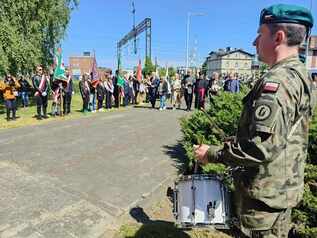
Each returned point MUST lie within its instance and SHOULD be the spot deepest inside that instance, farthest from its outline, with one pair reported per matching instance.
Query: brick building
(79, 65)
(312, 53)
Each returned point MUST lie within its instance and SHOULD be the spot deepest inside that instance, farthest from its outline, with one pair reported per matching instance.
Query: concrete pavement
(76, 178)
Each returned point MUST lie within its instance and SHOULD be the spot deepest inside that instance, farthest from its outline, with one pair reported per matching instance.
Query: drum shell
(201, 200)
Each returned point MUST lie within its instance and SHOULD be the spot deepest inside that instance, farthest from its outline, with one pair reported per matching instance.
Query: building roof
(82, 56)
(227, 51)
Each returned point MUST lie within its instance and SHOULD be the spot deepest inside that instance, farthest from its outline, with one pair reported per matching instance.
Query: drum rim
(199, 177)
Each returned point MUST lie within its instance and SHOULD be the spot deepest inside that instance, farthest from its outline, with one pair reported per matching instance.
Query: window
(237, 65)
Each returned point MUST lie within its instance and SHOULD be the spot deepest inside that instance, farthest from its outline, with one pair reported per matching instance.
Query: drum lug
(175, 203)
(211, 207)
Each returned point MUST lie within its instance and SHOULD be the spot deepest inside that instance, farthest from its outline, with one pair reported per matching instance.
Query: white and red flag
(139, 72)
(94, 73)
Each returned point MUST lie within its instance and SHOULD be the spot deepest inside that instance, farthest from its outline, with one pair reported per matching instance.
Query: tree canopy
(29, 32)
(148, 67)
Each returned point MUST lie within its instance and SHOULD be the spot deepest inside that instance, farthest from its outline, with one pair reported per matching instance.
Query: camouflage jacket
(272, 138)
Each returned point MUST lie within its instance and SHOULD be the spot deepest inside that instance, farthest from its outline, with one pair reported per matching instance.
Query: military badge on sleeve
(262, 112)
(265, 115)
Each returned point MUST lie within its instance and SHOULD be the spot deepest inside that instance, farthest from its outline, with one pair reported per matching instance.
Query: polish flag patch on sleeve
(270, 87)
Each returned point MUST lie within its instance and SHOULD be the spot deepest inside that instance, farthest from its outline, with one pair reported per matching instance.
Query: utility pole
(144, 26)
(133, 12)
(189, 14)
(155, 63)
(193, 56)
(187, 40)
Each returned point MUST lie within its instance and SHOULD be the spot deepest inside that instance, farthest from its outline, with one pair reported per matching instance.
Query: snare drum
(201, 200)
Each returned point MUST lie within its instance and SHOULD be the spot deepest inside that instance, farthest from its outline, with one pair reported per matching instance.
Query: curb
(145, 201)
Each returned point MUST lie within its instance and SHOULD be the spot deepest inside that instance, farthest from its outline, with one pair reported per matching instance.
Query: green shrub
(305, 216)
(220, 120)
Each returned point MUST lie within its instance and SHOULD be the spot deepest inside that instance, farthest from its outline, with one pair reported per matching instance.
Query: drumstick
(214, 125)
(196, 167)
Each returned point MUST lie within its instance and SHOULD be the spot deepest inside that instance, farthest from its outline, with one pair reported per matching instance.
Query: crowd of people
(113, 91)
(169, 90)
(42, 86)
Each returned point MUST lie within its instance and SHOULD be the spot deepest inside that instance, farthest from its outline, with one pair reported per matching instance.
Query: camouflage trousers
(280, 228)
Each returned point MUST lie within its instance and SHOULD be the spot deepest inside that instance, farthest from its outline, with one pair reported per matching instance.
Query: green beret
(284, 13)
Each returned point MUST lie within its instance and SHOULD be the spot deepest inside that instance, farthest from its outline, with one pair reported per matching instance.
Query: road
(74, 178)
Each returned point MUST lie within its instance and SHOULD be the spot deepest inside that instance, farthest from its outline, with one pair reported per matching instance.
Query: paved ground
(74, 178)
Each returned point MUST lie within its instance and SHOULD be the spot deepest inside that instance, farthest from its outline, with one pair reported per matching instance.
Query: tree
(204, 68)
(162, 71)
(171, 72)
(29, 32)
(148, 67)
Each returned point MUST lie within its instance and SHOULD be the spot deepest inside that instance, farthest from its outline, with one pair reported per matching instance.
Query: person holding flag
(118, 83)
(135, 89)
(68, 92)
(95, 81)
(59, 83)
(153, 88)
(84, 91)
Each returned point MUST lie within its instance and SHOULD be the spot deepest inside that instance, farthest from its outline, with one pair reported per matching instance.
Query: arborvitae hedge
(225, 112)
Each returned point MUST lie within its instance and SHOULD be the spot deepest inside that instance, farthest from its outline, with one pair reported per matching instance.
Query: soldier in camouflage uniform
(272, 139)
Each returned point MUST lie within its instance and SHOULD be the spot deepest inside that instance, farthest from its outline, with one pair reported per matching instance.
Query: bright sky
(97, 25)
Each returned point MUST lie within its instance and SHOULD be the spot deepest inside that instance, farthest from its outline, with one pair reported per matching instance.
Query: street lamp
(308, 41)
(189, 14)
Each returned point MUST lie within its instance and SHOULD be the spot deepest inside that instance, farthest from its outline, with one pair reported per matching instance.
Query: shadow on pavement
(154, 228)
(178, 155)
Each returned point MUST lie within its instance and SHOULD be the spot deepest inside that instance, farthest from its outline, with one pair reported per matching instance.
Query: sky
(97, 26)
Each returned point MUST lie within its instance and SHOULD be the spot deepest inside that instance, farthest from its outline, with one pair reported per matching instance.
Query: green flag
(120, 81)
(59, 72)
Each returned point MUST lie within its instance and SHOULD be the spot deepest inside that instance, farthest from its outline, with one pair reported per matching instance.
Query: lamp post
(308, 41)
(189, 14)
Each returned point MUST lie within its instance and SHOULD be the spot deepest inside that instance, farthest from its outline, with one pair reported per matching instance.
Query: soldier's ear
(280, 37)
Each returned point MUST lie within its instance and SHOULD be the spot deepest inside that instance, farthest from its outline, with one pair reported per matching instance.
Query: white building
(230, 61)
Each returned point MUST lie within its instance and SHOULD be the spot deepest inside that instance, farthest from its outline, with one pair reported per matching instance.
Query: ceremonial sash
(41, 86)
(109, 87)
(86, 87)
(68, 82)
(55, 95)
(201, 94)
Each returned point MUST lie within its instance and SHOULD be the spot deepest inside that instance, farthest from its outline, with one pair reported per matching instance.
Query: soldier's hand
(200, 152)
(230, 139)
